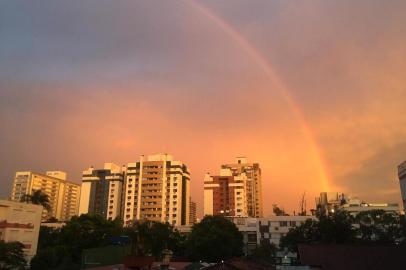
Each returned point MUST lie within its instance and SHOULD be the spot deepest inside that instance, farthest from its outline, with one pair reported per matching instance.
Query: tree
(51, 258)
(335, 228)
(12, 256)
(151, 238)
(304, 234)
(214, 239)
(265, 252)
(379, 226)
(62, 248)
(278, 211)
(37, 197)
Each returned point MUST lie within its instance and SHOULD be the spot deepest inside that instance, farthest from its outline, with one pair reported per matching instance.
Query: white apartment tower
(63, 195)
(102, 191)
(402, 182)
(157, 188)
(253, 187)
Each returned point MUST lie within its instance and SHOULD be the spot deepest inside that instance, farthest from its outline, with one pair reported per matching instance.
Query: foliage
(88, 231)
(151, 238)
(367, 227)
(55, 257)
(214, 239)
(37, 197)
(12, 256)
(278, 211)
(333, 229)
(62, 248)
(265, 252)
(379, 226)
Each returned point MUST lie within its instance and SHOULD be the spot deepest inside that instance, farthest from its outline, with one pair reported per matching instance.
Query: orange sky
(311, 91)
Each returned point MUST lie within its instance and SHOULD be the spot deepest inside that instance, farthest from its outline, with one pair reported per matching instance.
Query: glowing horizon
(313, 92)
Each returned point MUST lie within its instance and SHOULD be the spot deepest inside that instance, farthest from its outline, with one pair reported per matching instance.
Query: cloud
(376, 177)
(84, 83)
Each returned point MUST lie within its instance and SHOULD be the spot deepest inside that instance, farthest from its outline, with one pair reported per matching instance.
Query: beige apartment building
(102, 191)
(20, 222)
(192, 212)
(157, 188)
(63, 195)
(253, 186)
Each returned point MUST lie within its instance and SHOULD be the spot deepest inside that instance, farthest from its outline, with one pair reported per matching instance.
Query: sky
(312, 90)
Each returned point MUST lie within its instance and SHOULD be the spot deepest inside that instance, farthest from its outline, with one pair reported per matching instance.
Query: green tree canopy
(264, 253)
(37, 197)
(214, 239)
(12, 256)
(151, 238)
(335, 228)
(62, 248)
(379, 226)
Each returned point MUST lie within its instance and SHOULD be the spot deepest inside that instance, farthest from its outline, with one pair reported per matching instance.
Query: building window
(283, 223)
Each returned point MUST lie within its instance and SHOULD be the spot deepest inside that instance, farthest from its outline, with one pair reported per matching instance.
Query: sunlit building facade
(253, 186)
(63, 195)
(20, 222)
(157, 188)
(102, 191)
(192, 212)
(225, 194)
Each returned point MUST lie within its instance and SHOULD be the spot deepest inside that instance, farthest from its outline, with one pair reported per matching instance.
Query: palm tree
(37, 197)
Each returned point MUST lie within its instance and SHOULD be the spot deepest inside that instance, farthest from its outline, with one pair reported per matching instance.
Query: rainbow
(274, 79)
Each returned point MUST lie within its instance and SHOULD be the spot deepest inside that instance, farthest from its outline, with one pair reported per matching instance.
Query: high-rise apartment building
(63, 195)
(402, 182)
(192, 212)
(70, 201)
(157, 188)
(225, 194)
(253, 187)
(102, 191)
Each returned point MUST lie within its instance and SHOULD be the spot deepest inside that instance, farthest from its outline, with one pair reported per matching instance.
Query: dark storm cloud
(376, 178)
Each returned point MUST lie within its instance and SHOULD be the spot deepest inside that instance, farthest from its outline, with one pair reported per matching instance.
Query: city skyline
(313, 92)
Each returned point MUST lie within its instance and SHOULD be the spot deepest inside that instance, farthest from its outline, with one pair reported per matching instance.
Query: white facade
(271, 229)
(356, 206)
(20, 222)
(402, 182)
(102, 191)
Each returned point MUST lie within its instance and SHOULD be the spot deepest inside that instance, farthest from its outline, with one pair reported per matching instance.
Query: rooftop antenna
(303, 205)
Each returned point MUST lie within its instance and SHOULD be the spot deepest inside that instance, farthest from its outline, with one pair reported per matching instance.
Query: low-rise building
(355, 206)
(20, 222)
(271, 229)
